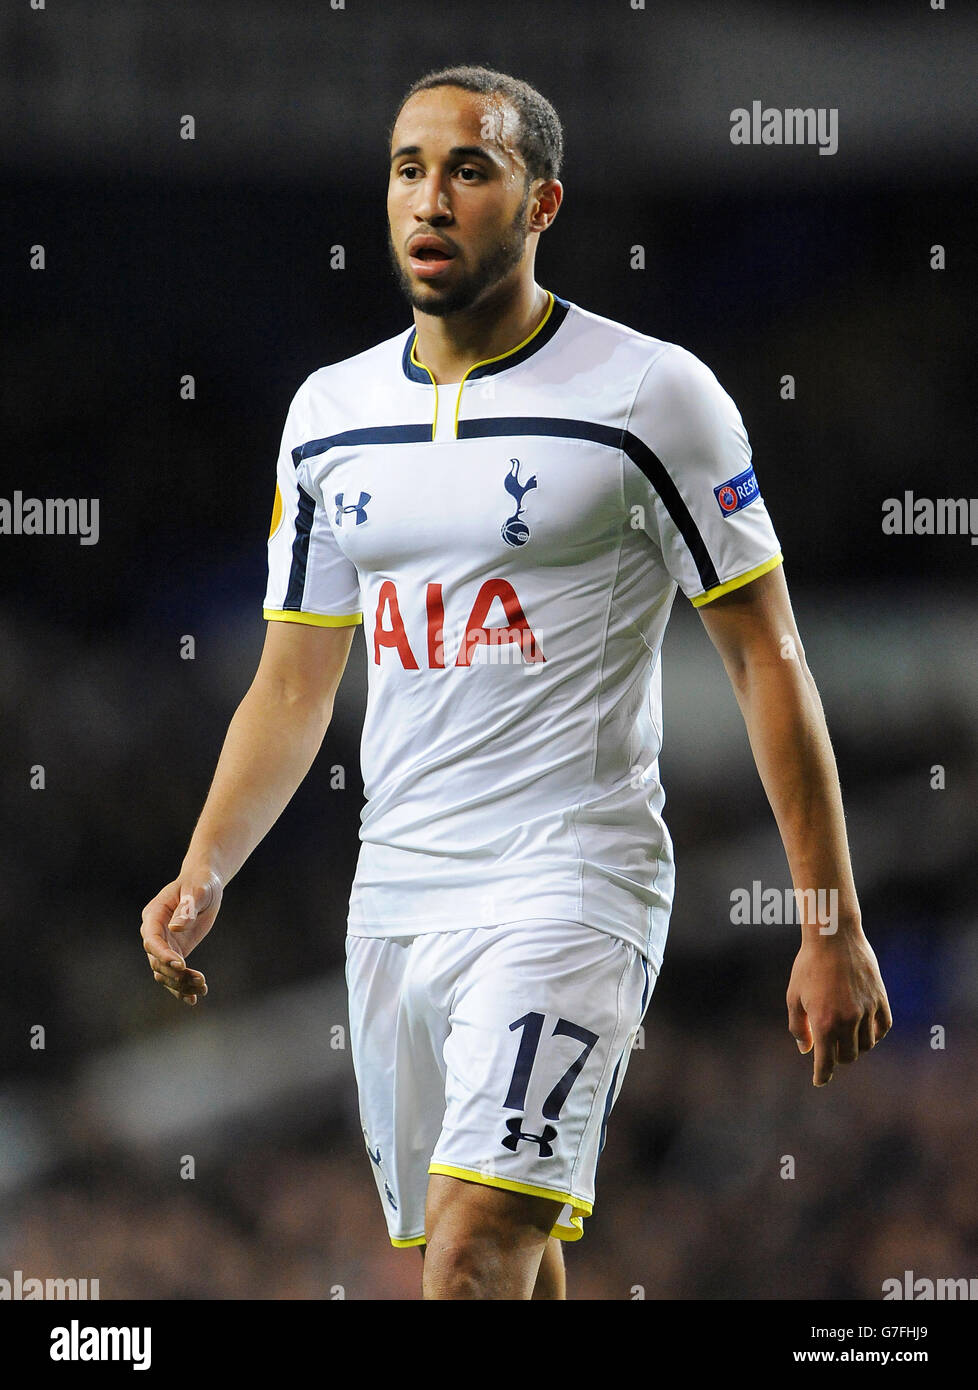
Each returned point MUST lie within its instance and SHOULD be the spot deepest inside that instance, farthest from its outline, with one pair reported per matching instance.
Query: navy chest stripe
(652, 468)
(377, 434)
(640, 454)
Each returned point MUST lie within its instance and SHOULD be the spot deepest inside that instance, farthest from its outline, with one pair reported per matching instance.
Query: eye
(469, 169)
(406, 169)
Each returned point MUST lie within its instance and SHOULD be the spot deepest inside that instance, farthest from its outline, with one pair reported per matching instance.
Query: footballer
(507, 497)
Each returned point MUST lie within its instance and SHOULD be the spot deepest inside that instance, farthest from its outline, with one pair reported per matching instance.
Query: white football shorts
(494, 1055)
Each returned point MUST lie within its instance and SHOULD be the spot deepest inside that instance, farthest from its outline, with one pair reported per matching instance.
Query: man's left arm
(836, 1000)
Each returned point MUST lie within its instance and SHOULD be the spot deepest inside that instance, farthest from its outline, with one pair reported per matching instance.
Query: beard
(493, 267)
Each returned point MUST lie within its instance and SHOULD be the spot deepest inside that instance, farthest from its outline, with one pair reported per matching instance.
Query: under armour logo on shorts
(516, 1134)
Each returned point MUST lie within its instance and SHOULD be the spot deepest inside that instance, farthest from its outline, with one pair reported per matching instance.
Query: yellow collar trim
(485, 362)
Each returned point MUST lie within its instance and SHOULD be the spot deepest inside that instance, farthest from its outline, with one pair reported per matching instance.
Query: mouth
(429, 257)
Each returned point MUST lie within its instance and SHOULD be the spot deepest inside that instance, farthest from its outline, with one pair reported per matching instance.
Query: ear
(544, 203)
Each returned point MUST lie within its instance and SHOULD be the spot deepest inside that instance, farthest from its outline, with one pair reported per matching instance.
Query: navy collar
(540, 336)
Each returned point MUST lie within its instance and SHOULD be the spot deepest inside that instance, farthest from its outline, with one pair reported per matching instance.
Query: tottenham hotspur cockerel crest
(514, 531)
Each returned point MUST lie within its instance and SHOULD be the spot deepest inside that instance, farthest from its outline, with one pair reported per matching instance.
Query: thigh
(543, 1015)
(464, 1208)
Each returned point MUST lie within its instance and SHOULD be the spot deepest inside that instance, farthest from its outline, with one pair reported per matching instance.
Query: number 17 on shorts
(504, 1054)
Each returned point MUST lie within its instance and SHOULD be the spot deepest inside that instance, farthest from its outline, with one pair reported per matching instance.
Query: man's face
(457, 179)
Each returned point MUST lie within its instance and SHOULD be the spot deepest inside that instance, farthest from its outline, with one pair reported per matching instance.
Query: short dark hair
(541, 139)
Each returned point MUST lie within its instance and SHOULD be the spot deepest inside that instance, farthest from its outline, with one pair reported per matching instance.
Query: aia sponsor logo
(400, 628)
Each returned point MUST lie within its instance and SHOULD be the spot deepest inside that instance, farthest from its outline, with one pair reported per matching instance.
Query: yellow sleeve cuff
(282, 615)
(739, 582)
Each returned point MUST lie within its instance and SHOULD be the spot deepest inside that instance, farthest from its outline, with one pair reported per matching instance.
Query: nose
(432, 203)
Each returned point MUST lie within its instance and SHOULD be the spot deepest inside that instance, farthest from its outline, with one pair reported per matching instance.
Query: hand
(836, 1001)
(173, 923)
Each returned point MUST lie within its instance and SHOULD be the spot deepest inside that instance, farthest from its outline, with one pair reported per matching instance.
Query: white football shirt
(513, 545)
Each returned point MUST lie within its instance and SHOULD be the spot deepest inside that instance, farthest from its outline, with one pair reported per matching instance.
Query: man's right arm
(270, 745)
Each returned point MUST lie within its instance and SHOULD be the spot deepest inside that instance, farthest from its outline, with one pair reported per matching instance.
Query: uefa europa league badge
(514, 531)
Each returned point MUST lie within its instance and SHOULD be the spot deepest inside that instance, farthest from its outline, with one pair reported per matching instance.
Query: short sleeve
(690, 480)
(310, 580)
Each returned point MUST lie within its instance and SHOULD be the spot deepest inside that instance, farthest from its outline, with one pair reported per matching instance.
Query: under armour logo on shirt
(359, 507)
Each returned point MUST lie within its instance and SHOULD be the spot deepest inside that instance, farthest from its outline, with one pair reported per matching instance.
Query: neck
(450, 346)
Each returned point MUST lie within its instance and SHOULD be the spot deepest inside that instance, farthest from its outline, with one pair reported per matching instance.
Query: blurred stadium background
(211, 257)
